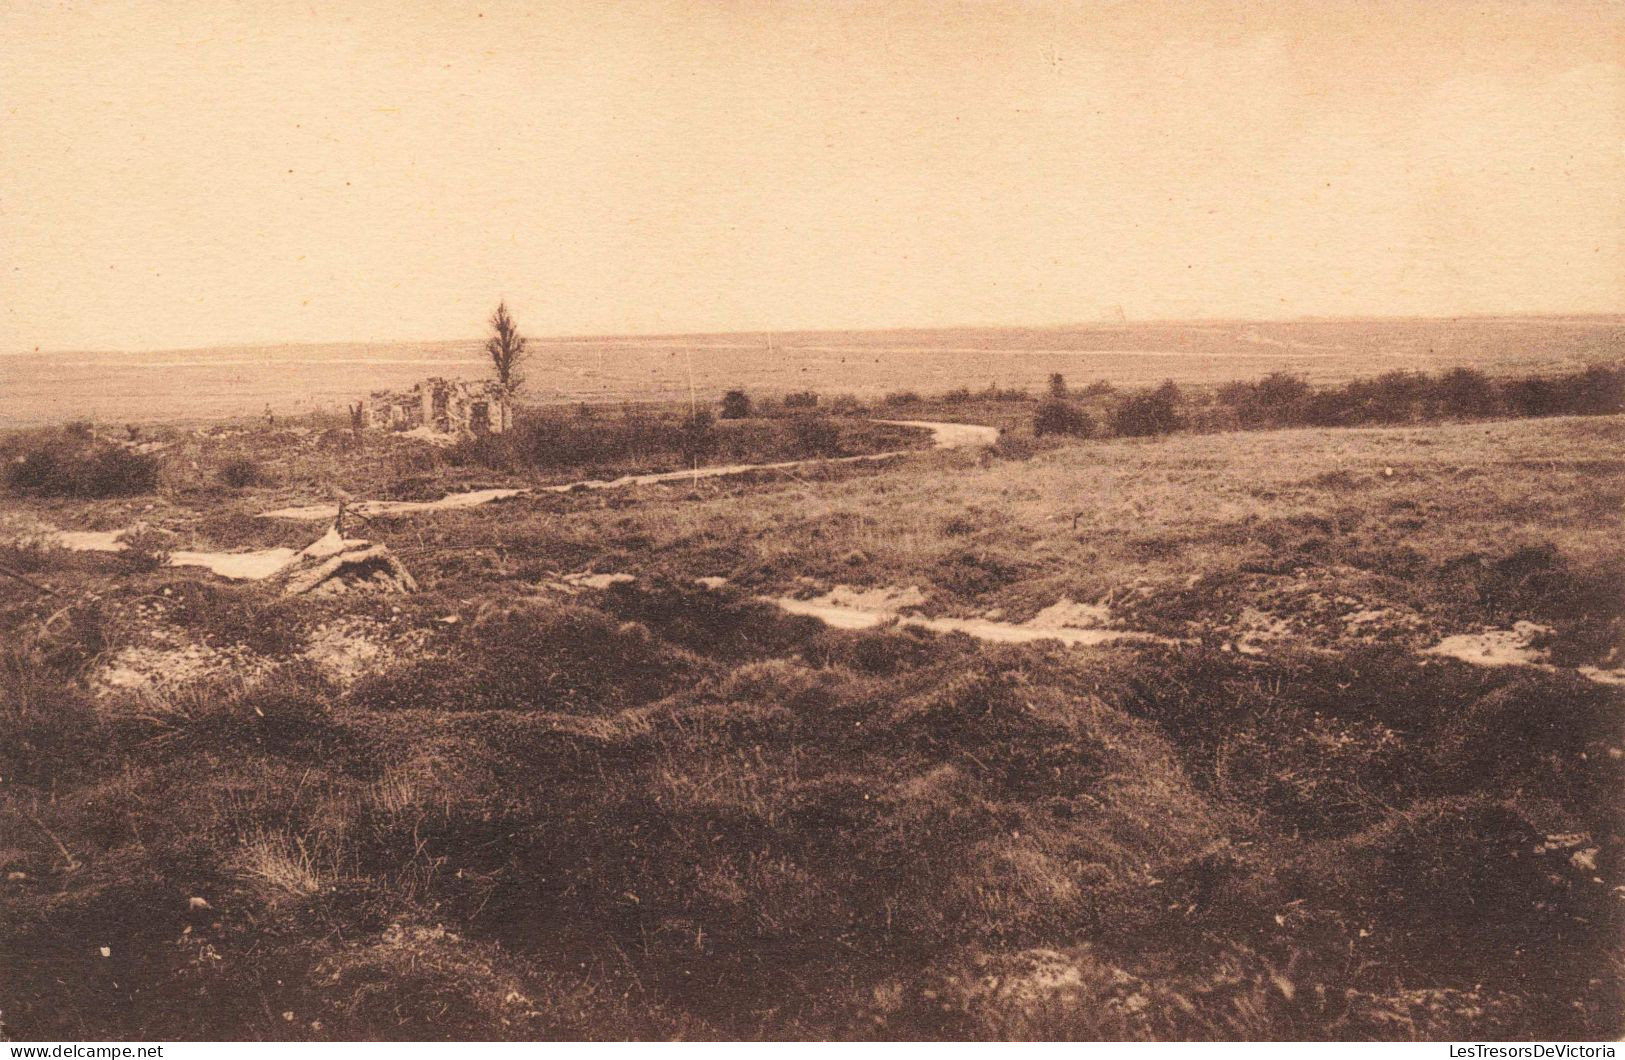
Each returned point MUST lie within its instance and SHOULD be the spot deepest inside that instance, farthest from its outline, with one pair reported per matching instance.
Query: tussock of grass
(279, 863)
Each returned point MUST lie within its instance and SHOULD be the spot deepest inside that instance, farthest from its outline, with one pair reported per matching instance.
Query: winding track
(943, 436)
(257, 565)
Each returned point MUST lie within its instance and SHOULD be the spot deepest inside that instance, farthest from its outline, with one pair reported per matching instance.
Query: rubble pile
(336, 564)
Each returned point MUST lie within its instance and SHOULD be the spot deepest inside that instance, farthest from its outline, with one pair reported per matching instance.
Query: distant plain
(224, 382)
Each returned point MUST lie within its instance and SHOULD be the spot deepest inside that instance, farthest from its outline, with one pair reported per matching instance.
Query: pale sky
(200, 172)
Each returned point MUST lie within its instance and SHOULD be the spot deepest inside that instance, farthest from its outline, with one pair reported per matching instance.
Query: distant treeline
(1282, 399)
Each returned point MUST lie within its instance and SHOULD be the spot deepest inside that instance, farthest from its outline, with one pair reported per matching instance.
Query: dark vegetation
(1285, 400)
(241, 473)
(635, 438)
(71, 462)
(1149, 413)
(1056, 415)
(991, 394)
(1282, 399)
(1278, 400)
(664, 812)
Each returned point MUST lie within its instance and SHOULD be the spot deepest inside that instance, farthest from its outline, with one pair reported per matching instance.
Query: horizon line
(602, 336)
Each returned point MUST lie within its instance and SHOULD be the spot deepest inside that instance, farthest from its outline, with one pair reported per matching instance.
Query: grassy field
(510, 807)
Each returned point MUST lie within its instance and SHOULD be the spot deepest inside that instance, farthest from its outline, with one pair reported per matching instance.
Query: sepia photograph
(835, 521)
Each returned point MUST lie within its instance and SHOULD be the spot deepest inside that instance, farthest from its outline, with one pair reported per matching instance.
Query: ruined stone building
(444, 406)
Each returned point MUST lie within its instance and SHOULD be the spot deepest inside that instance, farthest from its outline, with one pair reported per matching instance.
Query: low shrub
(241, 473)
(145, 548)
(735, 405)
(1152, 412)
(1058, 416)
(801, 399)
(1277, 399)
(73, 466)
(1466, 393)
(1013, 446)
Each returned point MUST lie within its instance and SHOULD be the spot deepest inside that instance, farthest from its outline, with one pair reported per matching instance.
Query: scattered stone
(1257, 629)
(348, 649)
(1495, 647)
(1561, 841)
(164, 665)
(588, 580)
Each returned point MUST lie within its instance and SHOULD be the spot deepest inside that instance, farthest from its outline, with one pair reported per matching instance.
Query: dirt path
(943, 436)
(241, 566)
(263, 563)
(849, 607)
(1083, 625)
(839, 615)
(312, 513)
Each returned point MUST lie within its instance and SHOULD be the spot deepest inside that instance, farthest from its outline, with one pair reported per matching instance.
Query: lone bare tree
(506, 347)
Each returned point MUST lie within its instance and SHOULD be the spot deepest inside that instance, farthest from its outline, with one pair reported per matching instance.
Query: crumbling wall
(444, 406)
